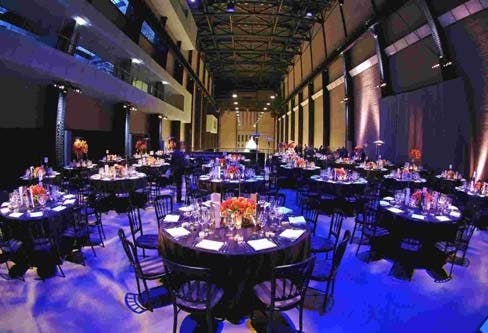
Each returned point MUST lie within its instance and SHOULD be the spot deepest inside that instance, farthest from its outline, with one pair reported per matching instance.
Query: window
(121, 5)
(148, 32)
(88, 56)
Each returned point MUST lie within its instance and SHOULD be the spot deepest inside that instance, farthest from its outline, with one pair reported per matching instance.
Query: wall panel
(337, 118)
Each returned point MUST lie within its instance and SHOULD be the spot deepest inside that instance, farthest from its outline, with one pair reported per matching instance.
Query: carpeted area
(99, 297)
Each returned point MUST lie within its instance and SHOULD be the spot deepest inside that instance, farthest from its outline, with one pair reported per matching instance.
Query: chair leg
(270, 321)
(175, 318)
(326, 297)
(359, 244)
(300, 317)
(353, 232)
(209, 322)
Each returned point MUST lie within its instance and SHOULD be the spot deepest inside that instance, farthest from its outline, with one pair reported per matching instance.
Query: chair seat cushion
(322, 270)
(152, 266)
(193, 295)
(322, 244)
(263, 292)
(76, 232)
(149, 241)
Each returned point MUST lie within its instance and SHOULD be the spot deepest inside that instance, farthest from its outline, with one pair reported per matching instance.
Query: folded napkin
(95, 177)
(418, 216)
(284, 210)
(4, 204)
(455, 214)
(171, 218)
(16, 214)
(178, 232)
(69, 202)
(68, 196)
(395, 210)
(292, 233)
(35, 214)
(58, 208)
(204, 177)
(442, 218)
(388, 198)
(261, 244)
(216, 180)
(297, 219)
(208, 244)
(4, 210)
(185, 208)
(384, 203)
(207, 203)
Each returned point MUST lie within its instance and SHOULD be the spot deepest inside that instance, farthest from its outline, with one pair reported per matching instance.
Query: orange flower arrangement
(233, 170)
(37, 191)
(415, 154)
(39, 171)
(141, 146)
(240, 206)
(371, 165)
(450, 174)
(478, 185)
(417, 196)
(340, 172)
(80, 147)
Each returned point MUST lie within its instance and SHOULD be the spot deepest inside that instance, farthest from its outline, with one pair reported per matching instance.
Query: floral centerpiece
(242, 209)
(233, 171)
(421, 197)
(371, 165)
(39, 193)
(340, 173)
(415, 155)
(80, 148)
(141, 146)
(39, 171)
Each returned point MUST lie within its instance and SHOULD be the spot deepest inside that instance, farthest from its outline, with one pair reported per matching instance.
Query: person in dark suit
(177, 165)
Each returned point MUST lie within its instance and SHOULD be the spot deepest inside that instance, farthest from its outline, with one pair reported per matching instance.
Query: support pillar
(348, 103)
(326, 109)
(383, 63)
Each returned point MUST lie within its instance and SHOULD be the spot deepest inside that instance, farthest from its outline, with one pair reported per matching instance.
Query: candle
(31, 197)
(20, 195)
(106, 152)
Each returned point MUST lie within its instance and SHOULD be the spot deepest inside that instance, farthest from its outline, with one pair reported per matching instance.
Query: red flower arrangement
(478, 185)
(38, 171)
(37, 191)
(415, 154)
(417, 196)
(233, 170)
(340, 172)
(141, 146)
(80, 147)
(240, 206)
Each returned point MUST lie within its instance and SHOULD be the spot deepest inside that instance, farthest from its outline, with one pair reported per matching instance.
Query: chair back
(274, 197)
(130, 252)
(370, 217)
(189, 284)
(310, 212)
(134, 222)
(339, 252)
(464, 235)
(336, 224)
(289, 282)
(163, 205)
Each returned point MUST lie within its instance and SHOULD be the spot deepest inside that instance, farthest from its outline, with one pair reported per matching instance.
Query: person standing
(178, 168)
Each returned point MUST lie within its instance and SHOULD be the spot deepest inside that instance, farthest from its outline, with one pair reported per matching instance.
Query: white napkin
(69, 202)
(261, 244)
(455, 214)
(384, 203)
(442, 218)
(177, 232)
(95, 177)
(68, 196)
(210, 244)
(297, 219)
(4, 204)
(284, 210)
(418, 216)
(58, 208)
(185, 208)
(4, 210)
(207, 203)
(395, 210)
(171, 218)
(16, 214)
(388, 198)
(292, 233)
(216, 180)
(35, 214)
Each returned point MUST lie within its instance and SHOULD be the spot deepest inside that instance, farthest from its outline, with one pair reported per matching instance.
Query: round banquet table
(340, 188)
(238, 267)
(248, 185)
(392, 183)
(52, 220)
(407, 226)
(446, 185)
(52, 178)
(152, 170)
(118, 185)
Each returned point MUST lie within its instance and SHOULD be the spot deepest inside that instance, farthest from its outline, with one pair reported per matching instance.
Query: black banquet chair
(163, 205)
(286, 289)
(140, 239)
(192, 290)
(148, 268)
(325, 270)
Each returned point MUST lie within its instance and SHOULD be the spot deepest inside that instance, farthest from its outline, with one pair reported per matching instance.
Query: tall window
(121, 5)
(148, 32)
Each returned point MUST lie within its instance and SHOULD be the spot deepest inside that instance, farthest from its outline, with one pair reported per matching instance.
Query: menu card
(16, 215)
(297, 219)
(395, 210)
(442, 218)
(292, 234)
(171, 218)
(58, 208)
(261, 244)
(35, 214)
(418, 216)
(178, 232)
(208, 244)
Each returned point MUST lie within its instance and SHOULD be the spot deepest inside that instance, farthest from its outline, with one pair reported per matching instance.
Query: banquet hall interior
(244, 166)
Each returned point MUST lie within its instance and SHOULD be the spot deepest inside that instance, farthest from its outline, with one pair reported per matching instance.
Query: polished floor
(97, 297)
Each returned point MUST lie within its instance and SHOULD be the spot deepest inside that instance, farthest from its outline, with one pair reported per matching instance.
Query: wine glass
(42, 199)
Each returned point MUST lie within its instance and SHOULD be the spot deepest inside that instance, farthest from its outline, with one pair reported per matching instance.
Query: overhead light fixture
(160, 117)
(80, 20)
(237, 109)
(164, 82)
(136, 61)
(268, 103)
(234, 95)
(165, 117)
(272, 96)
(231, 6)
(236, 103)
(265, 109)
(309, 14)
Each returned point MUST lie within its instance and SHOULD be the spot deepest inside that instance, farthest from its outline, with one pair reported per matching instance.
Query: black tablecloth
(119, 185)
(245, 185)
(237, 270)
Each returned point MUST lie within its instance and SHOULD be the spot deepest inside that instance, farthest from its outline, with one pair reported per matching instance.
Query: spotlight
(164, 82)
(80, 20)
(234, 95)
(265, 109)
(272, 97)
(77, 90)
(236, 103)
(268, 103)
(136, 61)
(309, 14)
(231, 6)
(165, 117)
(160, 117)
